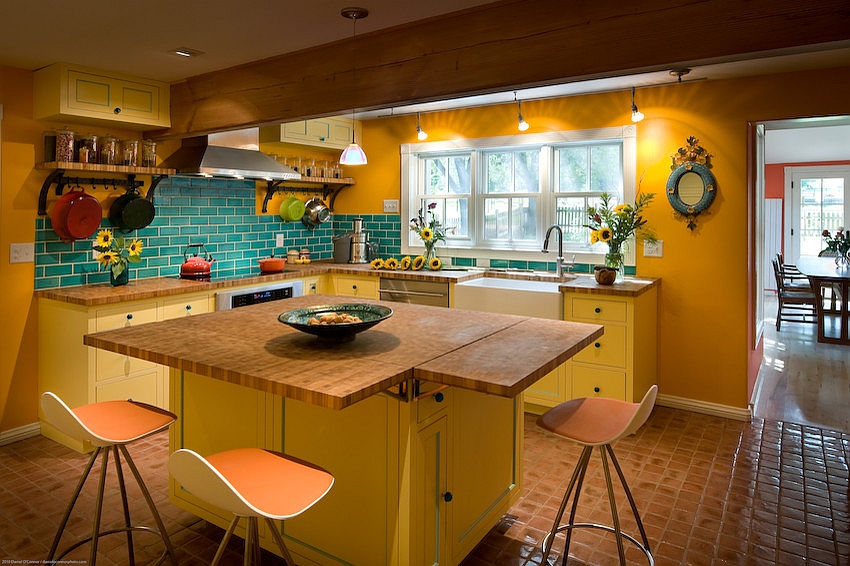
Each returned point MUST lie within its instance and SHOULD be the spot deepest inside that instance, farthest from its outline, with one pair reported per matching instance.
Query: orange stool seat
(597, 422)
(252, 483)
(108, 425)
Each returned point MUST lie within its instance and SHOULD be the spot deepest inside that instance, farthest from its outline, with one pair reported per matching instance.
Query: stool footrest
(547, 542)
(102, 534)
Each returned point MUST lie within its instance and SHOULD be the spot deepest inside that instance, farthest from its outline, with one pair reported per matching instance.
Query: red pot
(272, 264)
(76, 215)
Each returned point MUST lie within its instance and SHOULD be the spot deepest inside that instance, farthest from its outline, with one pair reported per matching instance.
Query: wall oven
(225, 300)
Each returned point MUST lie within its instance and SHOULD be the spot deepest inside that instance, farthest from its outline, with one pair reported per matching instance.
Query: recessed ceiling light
(186, 52)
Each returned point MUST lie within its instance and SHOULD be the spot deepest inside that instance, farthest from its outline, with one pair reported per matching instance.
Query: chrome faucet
(559, 262)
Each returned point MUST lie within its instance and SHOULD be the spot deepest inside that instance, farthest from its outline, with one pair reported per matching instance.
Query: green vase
(121, 279)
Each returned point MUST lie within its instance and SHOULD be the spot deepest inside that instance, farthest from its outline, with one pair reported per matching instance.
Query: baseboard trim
(20, 433)
(713, 409)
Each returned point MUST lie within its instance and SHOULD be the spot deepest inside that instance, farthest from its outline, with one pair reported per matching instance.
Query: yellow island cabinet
(419, 419)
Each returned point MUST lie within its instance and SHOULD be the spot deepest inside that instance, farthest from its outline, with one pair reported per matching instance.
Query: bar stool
(251, 483)
(109, 426)
(597, 421)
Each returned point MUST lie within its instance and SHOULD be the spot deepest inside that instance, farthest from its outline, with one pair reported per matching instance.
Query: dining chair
(793, 277)
(795, 304)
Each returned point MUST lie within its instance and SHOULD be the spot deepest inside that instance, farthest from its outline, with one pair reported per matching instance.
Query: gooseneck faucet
(559, 262)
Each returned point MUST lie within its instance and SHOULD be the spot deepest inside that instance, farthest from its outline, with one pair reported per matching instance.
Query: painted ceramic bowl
(336, 322)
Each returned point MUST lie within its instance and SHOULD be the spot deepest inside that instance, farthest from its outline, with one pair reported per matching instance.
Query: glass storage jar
(130, 152)
(64, 145)
(88, 149)
(148, 153)
(108, 150)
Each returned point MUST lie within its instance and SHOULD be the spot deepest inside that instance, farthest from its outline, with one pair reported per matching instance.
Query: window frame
(477, 148)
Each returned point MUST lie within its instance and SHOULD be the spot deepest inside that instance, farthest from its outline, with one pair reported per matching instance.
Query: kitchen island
(419, 418)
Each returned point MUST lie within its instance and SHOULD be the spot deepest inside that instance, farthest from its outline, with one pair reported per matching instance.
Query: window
(497, 196)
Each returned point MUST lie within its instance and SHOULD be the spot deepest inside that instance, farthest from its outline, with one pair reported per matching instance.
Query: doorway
(817, 200)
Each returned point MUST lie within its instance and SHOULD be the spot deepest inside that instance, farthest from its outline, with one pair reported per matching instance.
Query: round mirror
(690, 189)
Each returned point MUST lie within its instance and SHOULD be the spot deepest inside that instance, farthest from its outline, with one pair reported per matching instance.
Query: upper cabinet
(79, 94)
(334, 132)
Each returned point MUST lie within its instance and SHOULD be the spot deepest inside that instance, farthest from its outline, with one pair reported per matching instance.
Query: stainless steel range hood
(199, 157)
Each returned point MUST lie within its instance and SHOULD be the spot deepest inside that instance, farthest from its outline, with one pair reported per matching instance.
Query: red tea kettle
(196, 267)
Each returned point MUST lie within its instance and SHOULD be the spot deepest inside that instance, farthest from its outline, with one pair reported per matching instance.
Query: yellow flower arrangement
(431, 232)
(614, 225)
(116, 253)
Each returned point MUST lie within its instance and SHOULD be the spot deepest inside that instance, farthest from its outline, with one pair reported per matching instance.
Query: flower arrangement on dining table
(838, 244)
(614, 224)
(116, 253)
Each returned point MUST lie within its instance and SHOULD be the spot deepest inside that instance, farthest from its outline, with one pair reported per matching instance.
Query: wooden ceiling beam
(503, 46)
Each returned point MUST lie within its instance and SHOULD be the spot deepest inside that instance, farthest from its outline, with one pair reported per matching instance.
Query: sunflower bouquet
(615, 224)
(430, 231)
(116, 253)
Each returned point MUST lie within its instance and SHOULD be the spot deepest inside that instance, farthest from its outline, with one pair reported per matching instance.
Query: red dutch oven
(196, 267)
(272, 264)
(76, 216)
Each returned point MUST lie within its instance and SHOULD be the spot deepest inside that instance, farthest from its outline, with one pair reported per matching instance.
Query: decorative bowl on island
(330, 322)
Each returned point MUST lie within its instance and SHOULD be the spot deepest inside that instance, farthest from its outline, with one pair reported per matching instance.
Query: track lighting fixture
(637, 115)
(522, 125)
(353, 154)
(420, 133)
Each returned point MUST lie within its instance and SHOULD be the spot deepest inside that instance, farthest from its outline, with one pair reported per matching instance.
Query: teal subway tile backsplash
(219, 213)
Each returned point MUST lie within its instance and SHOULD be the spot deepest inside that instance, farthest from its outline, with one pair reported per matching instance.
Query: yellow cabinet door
(431, 498)
(145, 387)
(609, 349)
(185, 305)
(313, 285)
(548, 391)
(63, 91)
(592, 381)
(351, 286)
(109, 365)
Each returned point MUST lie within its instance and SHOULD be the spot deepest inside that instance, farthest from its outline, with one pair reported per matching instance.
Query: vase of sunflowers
(116, 254)
(431, 232)
(615, 224)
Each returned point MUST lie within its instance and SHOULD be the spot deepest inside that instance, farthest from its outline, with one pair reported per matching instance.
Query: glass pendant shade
(353, 155)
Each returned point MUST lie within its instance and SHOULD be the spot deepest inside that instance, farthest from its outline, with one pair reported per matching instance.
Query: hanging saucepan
(316, 212)
(131, 211)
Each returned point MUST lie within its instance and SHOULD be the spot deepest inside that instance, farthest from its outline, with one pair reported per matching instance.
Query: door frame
(792, 208)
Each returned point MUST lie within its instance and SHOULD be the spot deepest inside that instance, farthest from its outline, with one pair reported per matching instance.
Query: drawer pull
(188, 307)
(597, 310)
(354, 287)
(597, 345)
(130, 316)
(448, 496)
(596, 390)
(438, 397)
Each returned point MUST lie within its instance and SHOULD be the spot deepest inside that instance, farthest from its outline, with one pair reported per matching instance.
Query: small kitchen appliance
(355, 246)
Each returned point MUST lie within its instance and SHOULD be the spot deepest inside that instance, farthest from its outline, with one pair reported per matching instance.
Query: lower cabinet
(356, 286)
(80, 375)
(313, 285)
(411, 487)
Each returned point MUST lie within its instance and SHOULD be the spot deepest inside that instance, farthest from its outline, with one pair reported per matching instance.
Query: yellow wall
(703, 349)
(703, 322)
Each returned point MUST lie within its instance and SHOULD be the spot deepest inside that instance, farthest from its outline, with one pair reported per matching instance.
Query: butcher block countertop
(491, 353)
(137, 289)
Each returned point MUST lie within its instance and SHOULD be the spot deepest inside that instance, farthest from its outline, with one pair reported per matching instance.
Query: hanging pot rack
(57, 177)
(316, 185)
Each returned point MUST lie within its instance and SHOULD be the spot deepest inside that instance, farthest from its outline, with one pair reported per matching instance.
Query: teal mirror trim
(690, 207)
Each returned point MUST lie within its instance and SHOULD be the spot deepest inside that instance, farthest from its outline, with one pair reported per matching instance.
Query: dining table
(830, 280)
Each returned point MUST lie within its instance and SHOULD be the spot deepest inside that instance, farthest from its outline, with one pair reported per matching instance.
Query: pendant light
(637, 115)
(353, 154)
(522, 125)
(420, 133)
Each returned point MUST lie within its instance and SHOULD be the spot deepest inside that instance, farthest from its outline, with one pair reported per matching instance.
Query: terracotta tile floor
(711, 491)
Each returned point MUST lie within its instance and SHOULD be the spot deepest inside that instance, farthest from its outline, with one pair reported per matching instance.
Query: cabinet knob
(354, 286)
(129, 316)
(447, 496)
(117, 110)
(438, 397)
(596, 390)
(597, 345)
(188, 307)
(597, 310)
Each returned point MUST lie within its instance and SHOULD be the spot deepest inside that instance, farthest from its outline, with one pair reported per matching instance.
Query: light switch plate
(653, 249)
(391, 205)
(278, 240)
(22, 253)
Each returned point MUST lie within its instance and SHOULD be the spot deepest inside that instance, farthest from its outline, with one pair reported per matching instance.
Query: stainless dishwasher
(432, 293)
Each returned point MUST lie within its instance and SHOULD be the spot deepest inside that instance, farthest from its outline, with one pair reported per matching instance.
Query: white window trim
(409, 152)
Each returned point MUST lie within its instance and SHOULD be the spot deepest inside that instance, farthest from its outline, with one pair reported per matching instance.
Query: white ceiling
(138, 38)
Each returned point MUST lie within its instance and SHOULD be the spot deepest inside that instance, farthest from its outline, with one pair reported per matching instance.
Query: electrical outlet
(22, 253)
(653, 249)
(391, 205)
(278, 240)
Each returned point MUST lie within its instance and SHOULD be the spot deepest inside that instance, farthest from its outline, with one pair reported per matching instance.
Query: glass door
(818, 199)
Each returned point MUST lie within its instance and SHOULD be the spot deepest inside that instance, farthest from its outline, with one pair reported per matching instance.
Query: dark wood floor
(802, 381)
